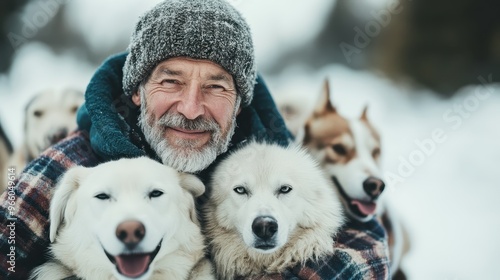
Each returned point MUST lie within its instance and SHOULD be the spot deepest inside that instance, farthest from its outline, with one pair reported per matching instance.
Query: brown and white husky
(349, 151)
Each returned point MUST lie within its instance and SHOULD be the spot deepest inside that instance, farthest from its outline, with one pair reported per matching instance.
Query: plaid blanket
(360, 253)
(361, 249)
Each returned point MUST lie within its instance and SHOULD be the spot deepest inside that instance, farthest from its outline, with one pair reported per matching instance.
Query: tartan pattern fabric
(360, 253)
(32, 199)
(361, 248)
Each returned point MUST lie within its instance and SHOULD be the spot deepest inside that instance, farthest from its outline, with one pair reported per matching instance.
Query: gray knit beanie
(199, 29)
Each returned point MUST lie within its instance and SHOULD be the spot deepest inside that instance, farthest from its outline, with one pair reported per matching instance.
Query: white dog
(49, 117)
(269, 208)
(125, 219)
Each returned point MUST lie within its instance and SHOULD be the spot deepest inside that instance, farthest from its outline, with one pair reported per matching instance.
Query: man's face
(188, 112)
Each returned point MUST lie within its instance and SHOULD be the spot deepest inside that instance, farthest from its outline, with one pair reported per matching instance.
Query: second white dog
(269, 208)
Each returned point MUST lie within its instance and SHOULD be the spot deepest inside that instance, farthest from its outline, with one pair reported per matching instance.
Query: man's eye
(170, 82)
(215, 88)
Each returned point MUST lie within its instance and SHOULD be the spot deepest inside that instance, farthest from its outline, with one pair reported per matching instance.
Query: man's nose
(191, 103)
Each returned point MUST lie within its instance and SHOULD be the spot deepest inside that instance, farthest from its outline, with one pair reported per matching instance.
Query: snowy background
(448, 198)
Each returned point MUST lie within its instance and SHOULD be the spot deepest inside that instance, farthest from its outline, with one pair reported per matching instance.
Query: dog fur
(49, 117)
(107, 219)
(282, 187)
(349, 151)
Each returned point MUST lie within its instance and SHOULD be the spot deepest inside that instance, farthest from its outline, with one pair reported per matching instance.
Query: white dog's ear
(196, 188)
(59, 208)
(192, 184)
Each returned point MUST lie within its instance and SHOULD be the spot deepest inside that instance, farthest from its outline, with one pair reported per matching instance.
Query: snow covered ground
(440, 155)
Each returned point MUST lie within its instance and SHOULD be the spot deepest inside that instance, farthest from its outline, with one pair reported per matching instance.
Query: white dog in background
(49, 117)
(126, 219)
(269, 208)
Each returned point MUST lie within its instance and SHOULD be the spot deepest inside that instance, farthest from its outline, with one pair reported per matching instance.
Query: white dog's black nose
(373, 186)
(57, 135)
(264, 227)
(130, 233)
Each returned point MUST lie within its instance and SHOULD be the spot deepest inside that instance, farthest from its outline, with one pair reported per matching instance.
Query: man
(188, 92)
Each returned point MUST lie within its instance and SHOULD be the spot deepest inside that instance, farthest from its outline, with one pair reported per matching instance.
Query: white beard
(187, 157)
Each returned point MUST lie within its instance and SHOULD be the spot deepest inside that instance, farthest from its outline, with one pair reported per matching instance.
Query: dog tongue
(367, 208)
(132, 265)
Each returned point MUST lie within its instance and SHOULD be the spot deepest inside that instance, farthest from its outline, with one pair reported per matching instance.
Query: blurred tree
(8, 8)
(443, 45)
(324, 49)
(24, 21)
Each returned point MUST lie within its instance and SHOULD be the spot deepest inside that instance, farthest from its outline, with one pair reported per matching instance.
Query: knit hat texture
(199, 29)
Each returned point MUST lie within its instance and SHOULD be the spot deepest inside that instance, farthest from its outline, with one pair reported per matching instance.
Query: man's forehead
(179, 66)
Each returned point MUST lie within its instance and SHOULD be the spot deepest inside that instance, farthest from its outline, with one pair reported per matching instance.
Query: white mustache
(179, 121)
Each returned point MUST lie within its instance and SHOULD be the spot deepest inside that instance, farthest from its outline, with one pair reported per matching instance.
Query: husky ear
(324, 104)
(192, 184)
(59, 205)
(364, 116)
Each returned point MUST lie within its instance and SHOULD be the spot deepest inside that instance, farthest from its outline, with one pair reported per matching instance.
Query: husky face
(349, 151)
(267, 192)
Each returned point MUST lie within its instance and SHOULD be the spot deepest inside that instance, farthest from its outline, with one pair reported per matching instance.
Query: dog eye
(74, 109)
(285, 189)
(102, 196)
(376, 152)
(340, 149)
(38, 113)
(155, 193)
(240, 190)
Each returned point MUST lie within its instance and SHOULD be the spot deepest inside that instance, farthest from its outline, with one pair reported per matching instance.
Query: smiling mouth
(133, 265)
(189, 134)
(187, 131)
(360, 208)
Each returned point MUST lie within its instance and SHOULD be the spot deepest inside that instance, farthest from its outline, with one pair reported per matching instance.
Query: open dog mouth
(133, 265)
(358, 207)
